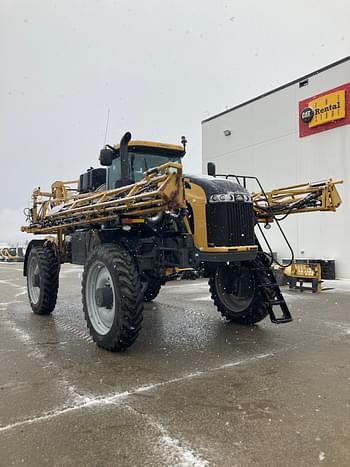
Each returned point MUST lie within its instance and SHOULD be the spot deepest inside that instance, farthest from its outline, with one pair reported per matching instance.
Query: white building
(268, 138)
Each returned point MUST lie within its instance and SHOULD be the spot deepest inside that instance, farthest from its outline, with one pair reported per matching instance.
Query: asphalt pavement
(194, 390)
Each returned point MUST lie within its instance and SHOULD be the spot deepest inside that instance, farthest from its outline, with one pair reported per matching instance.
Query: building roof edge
(279, 88)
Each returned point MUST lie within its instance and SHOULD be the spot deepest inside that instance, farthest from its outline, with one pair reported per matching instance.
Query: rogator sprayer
(138, 220)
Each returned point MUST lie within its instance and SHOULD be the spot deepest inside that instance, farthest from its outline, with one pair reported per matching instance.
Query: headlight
(230, 197)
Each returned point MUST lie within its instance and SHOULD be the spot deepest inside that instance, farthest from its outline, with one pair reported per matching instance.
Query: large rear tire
(112, 297)
(42, 278)
(236, 294)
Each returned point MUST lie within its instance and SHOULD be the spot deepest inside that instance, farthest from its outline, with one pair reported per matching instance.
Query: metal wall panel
(265, 142)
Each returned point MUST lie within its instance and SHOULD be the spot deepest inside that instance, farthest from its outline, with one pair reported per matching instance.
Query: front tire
(226, 291)
(42, 279)
(112, 298)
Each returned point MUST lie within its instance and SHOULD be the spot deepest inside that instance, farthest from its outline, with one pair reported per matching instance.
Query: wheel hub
(36, 280)
(100, 297)
(235, 287)
(104, 297)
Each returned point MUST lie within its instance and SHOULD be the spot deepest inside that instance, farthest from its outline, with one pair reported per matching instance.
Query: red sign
(325, 111)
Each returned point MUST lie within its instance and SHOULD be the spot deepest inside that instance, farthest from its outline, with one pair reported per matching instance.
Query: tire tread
(256, 311)
(49, 279)
(130, 291)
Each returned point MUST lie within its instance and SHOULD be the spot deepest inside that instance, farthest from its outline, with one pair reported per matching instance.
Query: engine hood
(216, 186)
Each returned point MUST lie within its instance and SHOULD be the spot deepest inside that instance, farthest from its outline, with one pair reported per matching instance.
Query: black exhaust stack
(124, 160)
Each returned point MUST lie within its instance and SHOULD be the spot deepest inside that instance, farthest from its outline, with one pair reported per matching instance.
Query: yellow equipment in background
(11, 254)
(299, 273)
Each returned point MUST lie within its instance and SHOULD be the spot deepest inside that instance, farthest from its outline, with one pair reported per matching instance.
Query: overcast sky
(160, 66)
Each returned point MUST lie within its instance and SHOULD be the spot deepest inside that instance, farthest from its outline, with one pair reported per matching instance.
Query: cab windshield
(139, 162)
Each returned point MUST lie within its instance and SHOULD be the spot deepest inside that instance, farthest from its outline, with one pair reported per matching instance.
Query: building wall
(265, 142)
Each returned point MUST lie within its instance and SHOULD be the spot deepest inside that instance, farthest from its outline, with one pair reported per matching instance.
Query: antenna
(107, 123)
(184, 142)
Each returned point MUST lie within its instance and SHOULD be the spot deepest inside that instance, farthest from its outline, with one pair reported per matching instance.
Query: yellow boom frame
(289, 200)
(53, 213)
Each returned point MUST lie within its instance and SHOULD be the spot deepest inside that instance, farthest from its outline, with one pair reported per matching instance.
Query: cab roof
(153, 146)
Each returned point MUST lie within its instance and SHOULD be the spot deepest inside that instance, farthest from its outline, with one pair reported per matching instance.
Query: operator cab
(141, 156)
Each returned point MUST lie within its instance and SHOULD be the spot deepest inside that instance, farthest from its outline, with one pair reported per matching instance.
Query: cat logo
(307, 114)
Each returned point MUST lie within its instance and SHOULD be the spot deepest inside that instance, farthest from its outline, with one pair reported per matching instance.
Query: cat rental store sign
(325, 111)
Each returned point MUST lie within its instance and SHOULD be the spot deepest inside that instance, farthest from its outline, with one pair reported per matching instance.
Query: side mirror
(211, 169)
(106, 156)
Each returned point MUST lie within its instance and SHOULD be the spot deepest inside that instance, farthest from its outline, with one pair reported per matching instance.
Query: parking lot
(193, 390)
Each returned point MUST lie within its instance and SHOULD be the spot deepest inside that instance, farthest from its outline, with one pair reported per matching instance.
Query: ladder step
(284, 319)
(273, 296)
(275, 302)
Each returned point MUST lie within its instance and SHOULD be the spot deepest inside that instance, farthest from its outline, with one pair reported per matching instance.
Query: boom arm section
(308, 197)
(161, 189)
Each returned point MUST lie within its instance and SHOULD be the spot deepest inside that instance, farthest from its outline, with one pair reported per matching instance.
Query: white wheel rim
(34, 290)
(101, 317)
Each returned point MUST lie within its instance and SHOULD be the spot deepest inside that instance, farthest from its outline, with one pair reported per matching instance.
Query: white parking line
(206, 298)
(12, 284)
(36, 353)
(184, 456)
(11, 267)
(176, 451)
(22, 292)
(6, 304)
(173, 450)
(88, 401)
